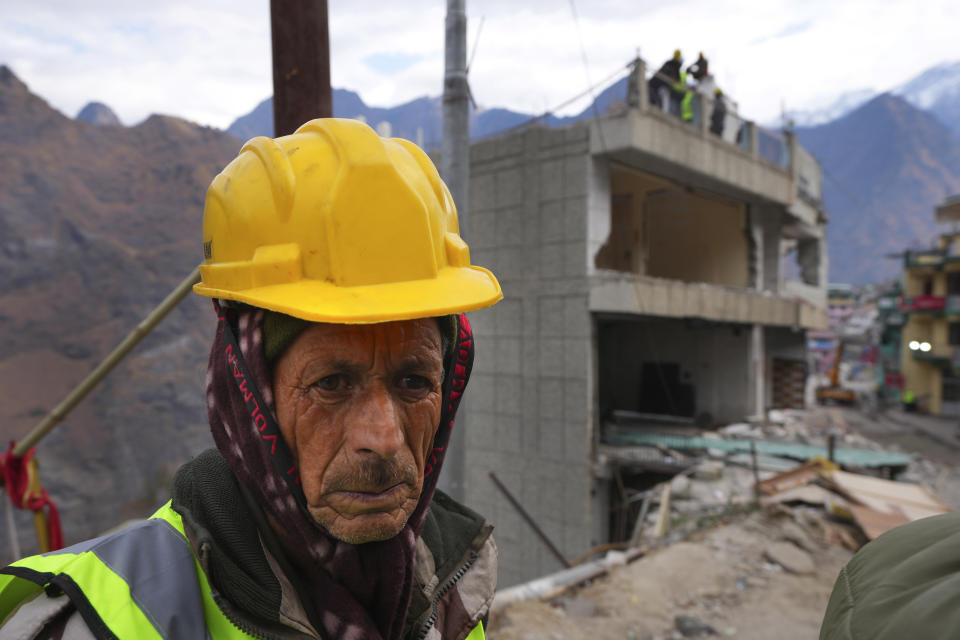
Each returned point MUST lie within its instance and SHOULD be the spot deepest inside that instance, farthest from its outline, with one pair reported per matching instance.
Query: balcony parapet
(626, 293)
(923, 259)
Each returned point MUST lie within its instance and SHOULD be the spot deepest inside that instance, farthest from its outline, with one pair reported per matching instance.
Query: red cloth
(16, 480)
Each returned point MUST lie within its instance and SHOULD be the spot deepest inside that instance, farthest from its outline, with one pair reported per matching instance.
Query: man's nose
(378, 429)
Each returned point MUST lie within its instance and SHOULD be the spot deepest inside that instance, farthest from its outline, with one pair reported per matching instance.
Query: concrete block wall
(528, 405)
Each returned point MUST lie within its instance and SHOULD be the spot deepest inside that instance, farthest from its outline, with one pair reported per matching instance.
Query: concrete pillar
(809, 254)
(790, 136)
(705, 103)
(753, 139)
(756, 357)
(769, 220)
(637, 90)
(755, 247)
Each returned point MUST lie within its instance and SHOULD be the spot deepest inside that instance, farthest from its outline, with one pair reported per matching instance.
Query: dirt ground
(724, 576)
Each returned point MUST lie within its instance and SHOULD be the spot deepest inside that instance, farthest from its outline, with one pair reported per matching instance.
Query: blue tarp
(843, 457)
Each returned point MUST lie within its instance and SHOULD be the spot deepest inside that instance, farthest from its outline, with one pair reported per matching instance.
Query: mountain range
(936, 91)
(886, 165)
(421, 119)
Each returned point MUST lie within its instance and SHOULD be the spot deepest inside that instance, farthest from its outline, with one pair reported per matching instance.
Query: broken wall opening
(663, 230)
(685, 368)
(801, 260)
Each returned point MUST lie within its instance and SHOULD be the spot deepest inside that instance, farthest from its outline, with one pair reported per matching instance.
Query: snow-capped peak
(932, 86)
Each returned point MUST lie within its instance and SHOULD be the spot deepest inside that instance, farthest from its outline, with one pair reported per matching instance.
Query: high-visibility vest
(686, 103)
(142, 583)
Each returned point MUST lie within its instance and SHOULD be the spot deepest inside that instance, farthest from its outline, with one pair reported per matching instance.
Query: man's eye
(335, 382)
(414, 382)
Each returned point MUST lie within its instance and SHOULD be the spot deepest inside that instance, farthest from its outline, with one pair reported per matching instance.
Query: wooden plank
(301, 63)
(887, 495)
(874, 523)
(797, 477)
(809, 494)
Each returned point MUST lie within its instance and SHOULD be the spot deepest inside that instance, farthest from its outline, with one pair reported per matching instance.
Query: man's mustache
(374, 475)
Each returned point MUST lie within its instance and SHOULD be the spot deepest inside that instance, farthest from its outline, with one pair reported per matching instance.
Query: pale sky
(209, 60)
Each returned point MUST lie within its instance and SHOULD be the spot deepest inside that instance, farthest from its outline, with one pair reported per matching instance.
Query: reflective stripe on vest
(141, 582)
(217, 623)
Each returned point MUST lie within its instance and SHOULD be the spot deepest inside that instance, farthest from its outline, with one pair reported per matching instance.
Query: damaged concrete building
(640, 258)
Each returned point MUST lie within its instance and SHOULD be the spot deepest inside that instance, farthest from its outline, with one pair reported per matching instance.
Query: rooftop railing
(661, 92)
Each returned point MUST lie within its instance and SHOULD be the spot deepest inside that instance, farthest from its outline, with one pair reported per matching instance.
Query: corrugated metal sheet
(844, 457)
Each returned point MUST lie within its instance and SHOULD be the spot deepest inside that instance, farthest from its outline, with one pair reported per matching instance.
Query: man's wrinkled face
(359, 405)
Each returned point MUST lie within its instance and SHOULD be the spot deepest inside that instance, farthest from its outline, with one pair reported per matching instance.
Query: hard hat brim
(454, 290)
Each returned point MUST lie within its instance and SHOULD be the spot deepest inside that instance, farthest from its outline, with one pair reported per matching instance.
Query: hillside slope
(887, 164)
(97, 225)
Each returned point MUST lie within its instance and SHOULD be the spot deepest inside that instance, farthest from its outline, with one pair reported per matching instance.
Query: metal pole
(756, 471)
(530, 521)
(455, 171)
(455, 159)
(91, 381)
(12, 530)
(301, 63)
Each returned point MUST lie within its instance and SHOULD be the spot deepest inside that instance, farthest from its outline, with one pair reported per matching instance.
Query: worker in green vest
(909, 400)
(686, 101)
(342, 351)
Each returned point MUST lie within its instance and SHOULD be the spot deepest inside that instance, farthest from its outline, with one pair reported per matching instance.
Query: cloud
(786, 32)
(390, 63)
(210, 60)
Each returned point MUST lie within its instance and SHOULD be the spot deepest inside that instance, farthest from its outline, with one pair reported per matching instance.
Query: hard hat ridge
(334, 223)
(277, 165)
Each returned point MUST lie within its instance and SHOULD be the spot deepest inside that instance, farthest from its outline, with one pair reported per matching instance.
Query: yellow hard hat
(336, 224)
(676, 54)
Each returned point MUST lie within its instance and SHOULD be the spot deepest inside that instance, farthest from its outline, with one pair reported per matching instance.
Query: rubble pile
(745, 540)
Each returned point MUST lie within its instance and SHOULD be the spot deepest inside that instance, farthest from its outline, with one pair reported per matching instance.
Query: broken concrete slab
(680, 487)
(709, 470)
(792, 532)
(693, 627)
(790, 557)
(579, 607)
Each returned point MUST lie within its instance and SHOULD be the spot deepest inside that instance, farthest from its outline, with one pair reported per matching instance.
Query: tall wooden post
(301, 63)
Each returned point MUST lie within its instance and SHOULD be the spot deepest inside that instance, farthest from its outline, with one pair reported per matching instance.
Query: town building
(930, 338)
(641, 262)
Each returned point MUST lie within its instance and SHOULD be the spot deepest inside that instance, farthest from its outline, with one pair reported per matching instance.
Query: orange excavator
(836, 392)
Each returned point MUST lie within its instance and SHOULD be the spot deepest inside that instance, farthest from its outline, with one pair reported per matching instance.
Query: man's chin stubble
(364, 534)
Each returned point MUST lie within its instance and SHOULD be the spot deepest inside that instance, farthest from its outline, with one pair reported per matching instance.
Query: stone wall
(527, 409)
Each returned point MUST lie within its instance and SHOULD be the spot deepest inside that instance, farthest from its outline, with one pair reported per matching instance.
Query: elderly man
(341, 354)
